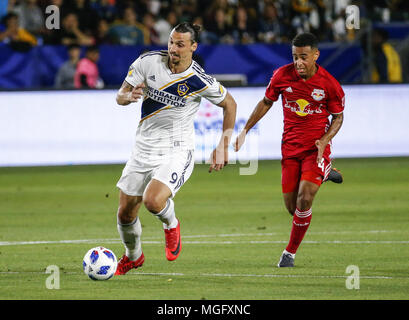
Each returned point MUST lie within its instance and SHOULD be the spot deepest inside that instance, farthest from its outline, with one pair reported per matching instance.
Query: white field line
(227, 235)
(226, 242)
(221, 275)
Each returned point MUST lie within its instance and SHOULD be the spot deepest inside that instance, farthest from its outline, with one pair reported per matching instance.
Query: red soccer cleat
(173, 242)
(124, 265)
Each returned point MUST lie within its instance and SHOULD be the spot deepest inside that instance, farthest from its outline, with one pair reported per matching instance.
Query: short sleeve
(336, 101)
(135, 73)
(215, 92)
(273, 91)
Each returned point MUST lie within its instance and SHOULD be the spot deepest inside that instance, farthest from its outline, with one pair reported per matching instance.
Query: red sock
(301, 222)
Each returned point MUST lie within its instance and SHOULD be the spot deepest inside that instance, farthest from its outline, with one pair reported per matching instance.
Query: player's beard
(173, 60)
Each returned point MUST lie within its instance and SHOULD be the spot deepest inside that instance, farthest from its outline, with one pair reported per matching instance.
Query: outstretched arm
(333, 129)
(259, 111)
(128, 94)
(220, 155)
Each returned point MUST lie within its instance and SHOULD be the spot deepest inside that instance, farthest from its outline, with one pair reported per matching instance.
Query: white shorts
(173, 173)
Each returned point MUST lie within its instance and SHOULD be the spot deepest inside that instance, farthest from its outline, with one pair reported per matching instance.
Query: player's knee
(304, 201)
(290, 206)
(153, 203)
(291, 210)
(126, 213)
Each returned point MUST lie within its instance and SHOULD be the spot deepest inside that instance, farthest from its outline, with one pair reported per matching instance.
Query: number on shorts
(174, 177)
(321, 165)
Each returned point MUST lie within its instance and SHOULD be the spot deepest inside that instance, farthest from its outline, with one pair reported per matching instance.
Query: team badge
(318, 94)
(130, 71)
(182, 89)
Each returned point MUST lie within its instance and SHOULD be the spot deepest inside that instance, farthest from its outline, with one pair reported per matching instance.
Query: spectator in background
(387, 63)
(102, 35)
(219, 30)
(129, 31)
(228, 11)
(70, 33)
(244, 31)
(149, 23)
(87, 18)
(300, 14)
(65, 74)
(105, 9)
(165, 25)
(87, 73)
(270, 28)
(18, 38)
(31, 17)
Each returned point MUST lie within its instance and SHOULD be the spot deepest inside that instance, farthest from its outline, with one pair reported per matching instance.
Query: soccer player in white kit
(171, 85)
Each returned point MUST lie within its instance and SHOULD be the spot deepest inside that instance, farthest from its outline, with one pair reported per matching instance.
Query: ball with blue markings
(99, 263)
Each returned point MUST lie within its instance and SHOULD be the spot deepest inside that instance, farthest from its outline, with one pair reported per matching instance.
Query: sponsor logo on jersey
(318, 94)
(165, 97)
(289, 89)
(302, 107)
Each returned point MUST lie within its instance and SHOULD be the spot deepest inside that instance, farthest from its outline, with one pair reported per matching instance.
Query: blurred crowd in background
(148, 22)
(92, 23)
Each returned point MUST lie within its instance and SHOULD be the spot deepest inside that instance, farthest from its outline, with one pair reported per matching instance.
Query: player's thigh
(290, 179)
(312, 176)
(306, 194)
(155, 196)
(313, 171)
(176, 171)
(133, 181)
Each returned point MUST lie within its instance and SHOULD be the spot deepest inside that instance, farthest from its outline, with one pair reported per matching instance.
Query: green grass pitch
(234, 229)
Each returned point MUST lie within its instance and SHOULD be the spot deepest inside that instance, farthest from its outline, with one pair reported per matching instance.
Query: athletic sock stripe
(164, 209)
(127, 224)
(303, 214)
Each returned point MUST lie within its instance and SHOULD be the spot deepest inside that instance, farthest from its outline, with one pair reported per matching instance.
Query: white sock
(168, 216)
(131, 238)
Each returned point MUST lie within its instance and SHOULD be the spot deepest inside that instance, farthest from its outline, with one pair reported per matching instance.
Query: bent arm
(220, 155)
(229, 106)
(259, 111)
(128, 94)
(336, 123)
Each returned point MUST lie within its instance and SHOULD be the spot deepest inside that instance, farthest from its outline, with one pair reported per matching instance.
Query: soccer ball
(99, 263)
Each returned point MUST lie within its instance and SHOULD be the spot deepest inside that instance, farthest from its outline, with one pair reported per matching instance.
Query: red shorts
(304, 167)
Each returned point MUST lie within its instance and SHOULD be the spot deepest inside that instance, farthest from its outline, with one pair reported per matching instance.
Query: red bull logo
(318, 94)
(302, 107)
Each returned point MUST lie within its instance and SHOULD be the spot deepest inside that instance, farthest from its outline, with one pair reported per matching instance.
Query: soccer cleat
(286, 260)
(124, 265)
(335, 176)
(173, 242)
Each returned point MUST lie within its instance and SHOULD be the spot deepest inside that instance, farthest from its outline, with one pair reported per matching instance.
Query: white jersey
(169, 106)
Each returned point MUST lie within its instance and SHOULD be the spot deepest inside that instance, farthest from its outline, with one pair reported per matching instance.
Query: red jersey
(306, 106)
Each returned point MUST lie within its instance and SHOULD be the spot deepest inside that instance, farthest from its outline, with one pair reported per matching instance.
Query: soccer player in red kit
(310, 95)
